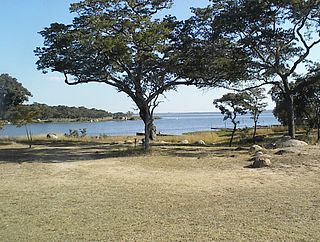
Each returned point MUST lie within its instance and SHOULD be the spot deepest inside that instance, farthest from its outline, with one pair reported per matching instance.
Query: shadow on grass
(58, 152)
(200, 151)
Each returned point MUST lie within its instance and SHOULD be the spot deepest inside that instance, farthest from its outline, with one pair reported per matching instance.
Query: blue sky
(20, 22)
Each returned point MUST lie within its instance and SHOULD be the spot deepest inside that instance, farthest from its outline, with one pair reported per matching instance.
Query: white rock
(200, 142)
(184, 142)
(255, 148)
(129, 142)
(52, 136)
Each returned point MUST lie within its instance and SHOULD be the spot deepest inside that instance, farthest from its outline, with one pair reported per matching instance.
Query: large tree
(12, 94)
(277, 37)
(120, 43)
(306, 102)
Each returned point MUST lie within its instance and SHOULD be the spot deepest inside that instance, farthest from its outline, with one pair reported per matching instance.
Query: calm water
(169, 123)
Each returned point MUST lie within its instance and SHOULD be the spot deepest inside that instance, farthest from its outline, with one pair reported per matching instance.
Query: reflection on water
(169, 123)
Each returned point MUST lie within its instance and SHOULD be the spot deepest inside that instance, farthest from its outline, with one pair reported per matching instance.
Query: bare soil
(77, 191)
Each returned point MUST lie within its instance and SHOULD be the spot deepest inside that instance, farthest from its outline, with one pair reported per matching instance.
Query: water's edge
(169, 123)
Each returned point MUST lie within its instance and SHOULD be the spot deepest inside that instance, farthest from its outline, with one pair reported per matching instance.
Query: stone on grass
(255, 148)
(260, 162)
(290, 143)
(52, 136)
(200, 142)
(259, 153)
(184, 142)
(129, 142)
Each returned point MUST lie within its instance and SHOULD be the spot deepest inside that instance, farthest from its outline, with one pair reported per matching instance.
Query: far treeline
(45, 112)
(13, 95)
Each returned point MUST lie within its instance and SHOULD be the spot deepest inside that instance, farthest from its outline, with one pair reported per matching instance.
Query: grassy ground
(71, 190)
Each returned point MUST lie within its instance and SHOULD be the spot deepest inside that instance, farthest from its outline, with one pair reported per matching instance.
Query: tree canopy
(119, 43)
(12, 94)
(276, 36)
(231, 105)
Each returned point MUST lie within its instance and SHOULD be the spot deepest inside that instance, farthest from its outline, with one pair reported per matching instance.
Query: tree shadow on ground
(71, 151)
(68, 152)
(201, 151)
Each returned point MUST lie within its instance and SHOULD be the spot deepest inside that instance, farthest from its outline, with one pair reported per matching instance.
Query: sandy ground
(97, 192)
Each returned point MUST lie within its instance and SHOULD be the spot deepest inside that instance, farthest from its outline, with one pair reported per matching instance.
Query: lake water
(169, 123)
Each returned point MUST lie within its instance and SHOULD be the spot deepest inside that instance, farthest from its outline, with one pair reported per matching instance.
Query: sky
(20, 22)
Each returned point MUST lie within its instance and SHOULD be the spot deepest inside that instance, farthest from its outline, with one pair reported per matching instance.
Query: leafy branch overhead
(276, 37)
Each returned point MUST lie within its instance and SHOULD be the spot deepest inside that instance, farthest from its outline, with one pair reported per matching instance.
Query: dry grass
(80, 191)
(207, 137)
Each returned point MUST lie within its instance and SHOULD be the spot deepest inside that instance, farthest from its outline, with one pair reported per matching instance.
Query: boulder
(259, 153)
(184, 142)
(260, 162)
(129, 142)
(200, 142)
(52, 136)
(290, 143)
(255, 148)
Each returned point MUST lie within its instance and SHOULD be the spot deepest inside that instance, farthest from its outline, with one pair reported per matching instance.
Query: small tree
(22, 116)
(256, 106)
(231, 105)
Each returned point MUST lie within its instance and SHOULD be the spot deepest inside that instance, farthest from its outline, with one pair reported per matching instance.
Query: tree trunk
(318, 126)
(233, 132)
(291, 116)
(146, 135)
(288, 96)
(147, 118)
(29, 136)
(254, 130)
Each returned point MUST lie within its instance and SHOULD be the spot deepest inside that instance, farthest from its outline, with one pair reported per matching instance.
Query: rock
(52, 136)
(255, 148)
(201, 142)
(290, 143)
(129, 142)
(259, 153)
(164, 142)
(271, 146)
(184, 142)
(260, 162)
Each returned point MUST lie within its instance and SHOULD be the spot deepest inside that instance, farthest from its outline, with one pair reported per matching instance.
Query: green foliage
(256, 106)
(12, 94)
(74, 133)
(306, 102)
(231, 105)
(45, 112)
(118, 42)
(275, 36)
(22, 116)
